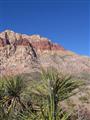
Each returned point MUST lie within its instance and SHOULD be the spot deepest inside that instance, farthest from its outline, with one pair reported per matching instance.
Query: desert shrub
(49, 91)
(37, 100)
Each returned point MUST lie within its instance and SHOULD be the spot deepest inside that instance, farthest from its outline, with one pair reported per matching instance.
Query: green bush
(37, 100)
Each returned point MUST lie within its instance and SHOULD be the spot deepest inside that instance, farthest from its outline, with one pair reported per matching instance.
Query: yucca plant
(14, 87)
(53, 88)
(11, 101)
(2, 94)
(45, 97)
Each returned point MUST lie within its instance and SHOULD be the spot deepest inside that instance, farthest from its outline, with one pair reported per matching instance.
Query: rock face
(11, 38)
(20, 53)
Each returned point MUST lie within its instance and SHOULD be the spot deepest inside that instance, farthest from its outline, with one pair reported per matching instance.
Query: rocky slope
(20, 53)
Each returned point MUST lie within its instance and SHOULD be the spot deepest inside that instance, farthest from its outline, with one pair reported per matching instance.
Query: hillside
(21, 53)
(27, 54)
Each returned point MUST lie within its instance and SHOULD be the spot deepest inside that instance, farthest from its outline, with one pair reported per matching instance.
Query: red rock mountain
(39, 43)
(21, 53)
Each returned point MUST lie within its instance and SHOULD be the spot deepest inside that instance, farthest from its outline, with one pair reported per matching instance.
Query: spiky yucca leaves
(45, 96)
(11, 101)
(14, 88)
(2, 94)
(52, 89)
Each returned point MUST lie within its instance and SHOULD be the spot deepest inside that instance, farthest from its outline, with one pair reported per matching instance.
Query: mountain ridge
(21, 53)
(13, 37)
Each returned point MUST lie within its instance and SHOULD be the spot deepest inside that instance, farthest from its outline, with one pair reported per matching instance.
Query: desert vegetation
(22, 99)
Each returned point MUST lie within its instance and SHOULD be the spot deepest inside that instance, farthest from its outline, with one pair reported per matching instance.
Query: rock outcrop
(20, 53)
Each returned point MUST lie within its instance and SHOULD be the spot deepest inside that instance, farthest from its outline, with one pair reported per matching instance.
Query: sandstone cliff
(20, 53)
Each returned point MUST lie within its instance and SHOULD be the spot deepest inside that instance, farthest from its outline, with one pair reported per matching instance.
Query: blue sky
(66, 22)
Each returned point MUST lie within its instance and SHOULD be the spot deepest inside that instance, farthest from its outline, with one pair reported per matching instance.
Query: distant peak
(38, 42)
